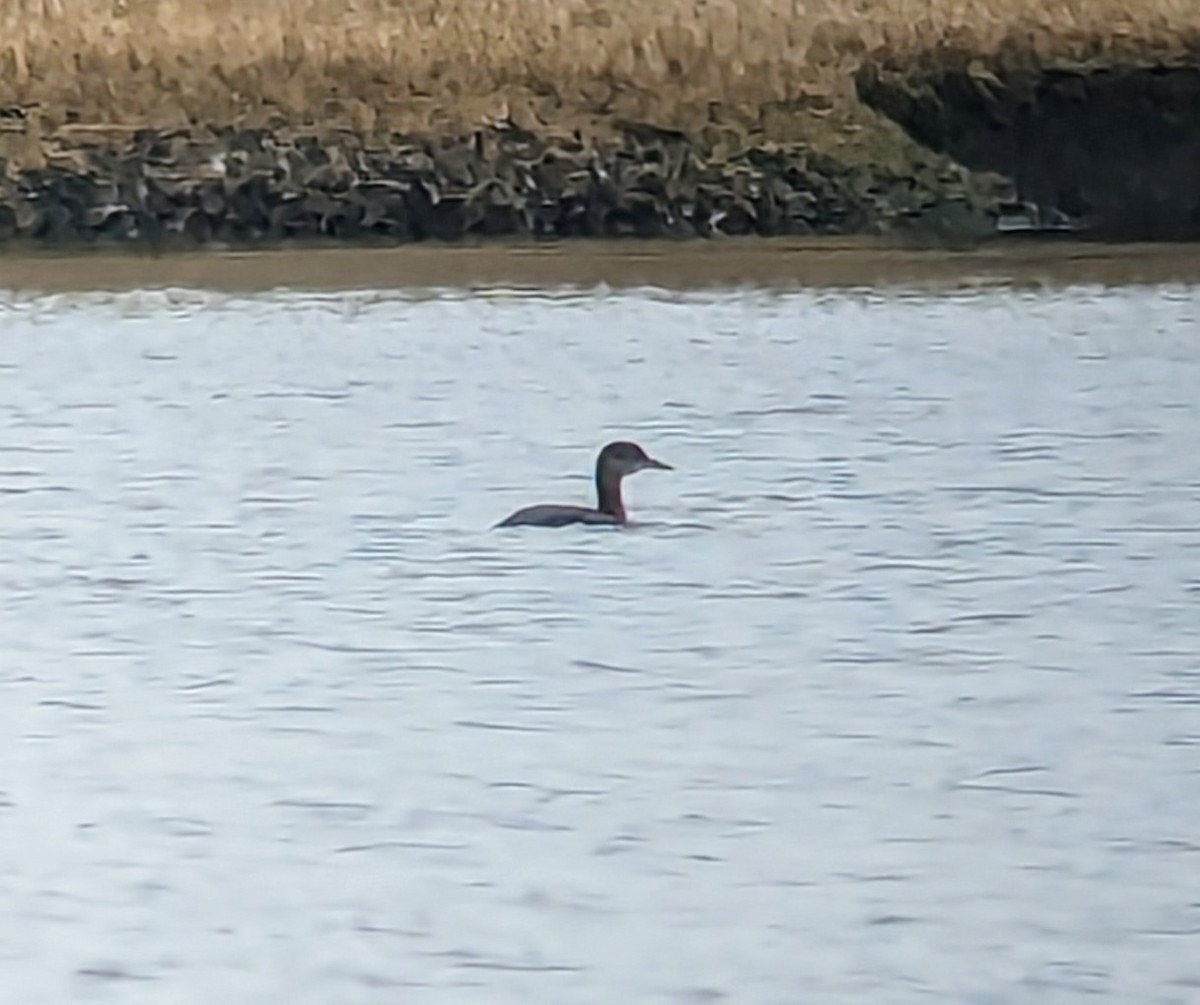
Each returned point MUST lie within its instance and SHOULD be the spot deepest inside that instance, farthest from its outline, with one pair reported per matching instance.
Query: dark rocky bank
(1108, 150)
(89, 185)
(1103, 150)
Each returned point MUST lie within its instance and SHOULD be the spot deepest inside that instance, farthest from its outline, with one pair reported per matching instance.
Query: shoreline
(150, 123)
(779, 264)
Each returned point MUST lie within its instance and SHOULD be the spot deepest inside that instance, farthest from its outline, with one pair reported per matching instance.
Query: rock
(197, 226)
(644, 181)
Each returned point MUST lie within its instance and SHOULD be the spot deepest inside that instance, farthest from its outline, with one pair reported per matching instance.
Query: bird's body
(551, 515)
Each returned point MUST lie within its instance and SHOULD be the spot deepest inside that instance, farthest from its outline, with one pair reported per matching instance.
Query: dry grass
(411, 63)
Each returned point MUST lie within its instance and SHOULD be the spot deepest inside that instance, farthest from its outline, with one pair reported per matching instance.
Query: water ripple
(902, 653)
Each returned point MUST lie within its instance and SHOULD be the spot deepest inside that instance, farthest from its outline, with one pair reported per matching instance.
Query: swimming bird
(615, 462)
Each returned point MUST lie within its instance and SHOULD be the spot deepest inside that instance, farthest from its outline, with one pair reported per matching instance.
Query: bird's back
(550, 515)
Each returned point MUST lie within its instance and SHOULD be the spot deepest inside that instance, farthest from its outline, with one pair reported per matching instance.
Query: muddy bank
(781, 263)
(1104, 147)
(87, 184)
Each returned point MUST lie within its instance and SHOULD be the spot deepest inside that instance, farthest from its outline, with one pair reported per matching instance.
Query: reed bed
(423, 63)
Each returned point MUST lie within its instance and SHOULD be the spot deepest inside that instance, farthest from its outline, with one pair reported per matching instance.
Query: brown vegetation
(413, 64)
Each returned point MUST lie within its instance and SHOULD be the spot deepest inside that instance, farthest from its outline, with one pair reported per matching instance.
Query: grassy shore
(393, 119)
(419, 64)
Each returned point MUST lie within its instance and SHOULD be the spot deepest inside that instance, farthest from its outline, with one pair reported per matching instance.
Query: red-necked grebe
(615, 462)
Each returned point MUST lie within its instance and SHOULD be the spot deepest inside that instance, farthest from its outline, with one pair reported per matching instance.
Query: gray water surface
(893, 695)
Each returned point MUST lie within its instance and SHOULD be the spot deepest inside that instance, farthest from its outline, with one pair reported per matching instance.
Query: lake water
(892, 695)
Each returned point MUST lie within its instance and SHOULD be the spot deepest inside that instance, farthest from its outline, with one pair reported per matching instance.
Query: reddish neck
(608, 491)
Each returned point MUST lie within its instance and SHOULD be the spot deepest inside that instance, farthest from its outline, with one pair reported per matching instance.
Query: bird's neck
(608, 494)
